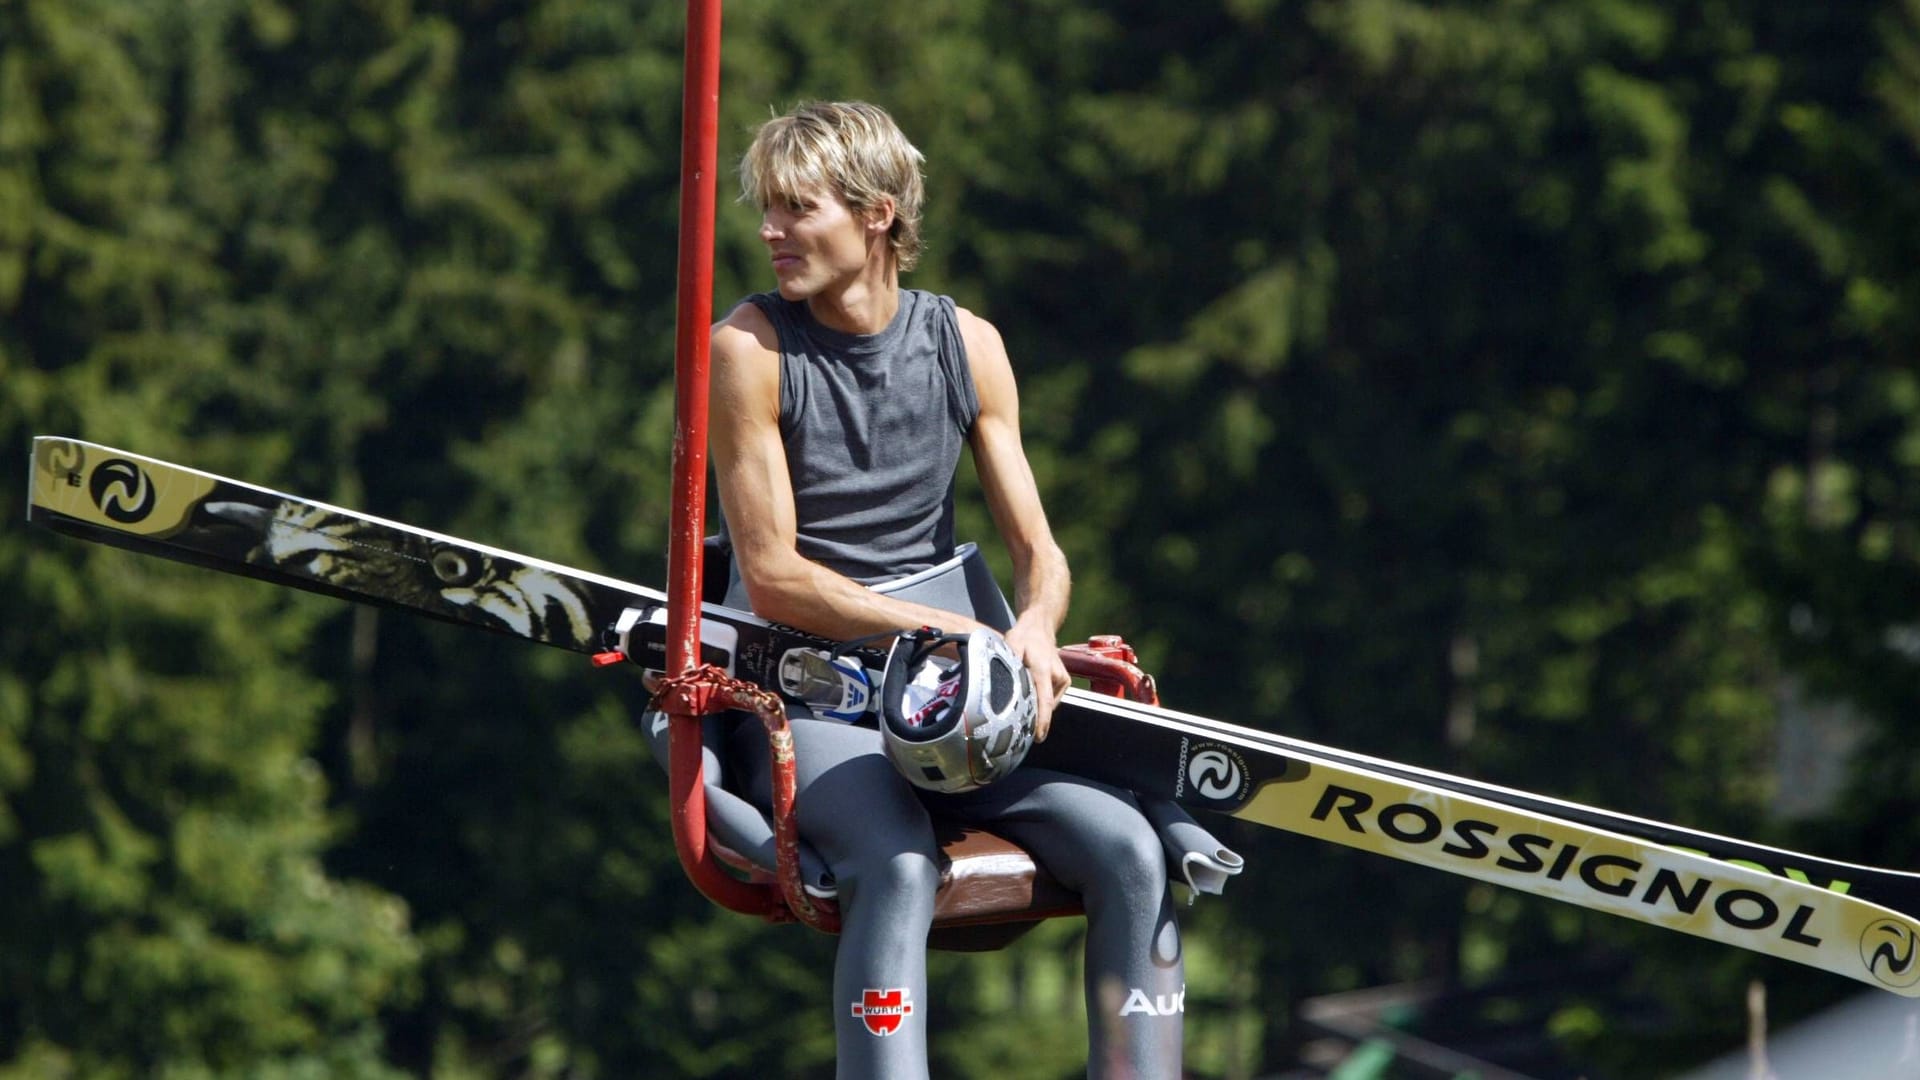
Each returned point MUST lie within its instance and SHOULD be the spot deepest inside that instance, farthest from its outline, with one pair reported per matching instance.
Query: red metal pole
(699, 142)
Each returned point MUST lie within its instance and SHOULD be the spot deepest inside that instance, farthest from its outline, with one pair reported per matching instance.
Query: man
(840, 405)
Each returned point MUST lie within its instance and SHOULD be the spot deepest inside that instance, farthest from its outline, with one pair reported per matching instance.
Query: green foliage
(1519, 388)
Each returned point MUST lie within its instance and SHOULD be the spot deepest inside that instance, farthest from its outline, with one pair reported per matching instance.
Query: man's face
(815, 240)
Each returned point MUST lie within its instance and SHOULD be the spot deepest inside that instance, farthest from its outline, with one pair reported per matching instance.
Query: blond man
(841, 403)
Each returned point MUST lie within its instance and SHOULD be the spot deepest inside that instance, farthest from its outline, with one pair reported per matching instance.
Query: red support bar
(1109, 664)
(699, 155)
(707, 689)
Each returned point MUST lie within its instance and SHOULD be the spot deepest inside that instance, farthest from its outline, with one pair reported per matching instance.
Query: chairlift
(992, 890)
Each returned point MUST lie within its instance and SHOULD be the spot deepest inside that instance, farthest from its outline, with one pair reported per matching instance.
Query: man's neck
(865, 304)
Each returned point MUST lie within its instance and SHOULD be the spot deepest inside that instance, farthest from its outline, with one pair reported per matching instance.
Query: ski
(1851, 920)
(1233, 771)
(1896, 889)
(142, 504)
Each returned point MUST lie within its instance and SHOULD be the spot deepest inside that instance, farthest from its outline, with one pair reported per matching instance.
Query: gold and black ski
(1855, 921)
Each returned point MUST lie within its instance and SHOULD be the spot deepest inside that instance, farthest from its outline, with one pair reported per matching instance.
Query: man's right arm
(756, 493)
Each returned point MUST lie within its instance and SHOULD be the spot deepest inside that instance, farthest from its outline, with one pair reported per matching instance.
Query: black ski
(1850, 920)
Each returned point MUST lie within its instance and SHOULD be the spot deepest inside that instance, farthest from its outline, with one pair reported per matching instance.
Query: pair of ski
(1855, 921)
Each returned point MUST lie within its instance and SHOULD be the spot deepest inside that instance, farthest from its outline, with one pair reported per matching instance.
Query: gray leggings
(873, 830)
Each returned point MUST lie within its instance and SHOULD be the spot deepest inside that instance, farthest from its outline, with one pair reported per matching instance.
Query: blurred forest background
(1525, 388)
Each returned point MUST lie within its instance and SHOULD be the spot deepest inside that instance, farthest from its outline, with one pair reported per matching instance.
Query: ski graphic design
(1737, 902)
(144, 504)
(126, 500)
(1896, 889)
(1855, 921)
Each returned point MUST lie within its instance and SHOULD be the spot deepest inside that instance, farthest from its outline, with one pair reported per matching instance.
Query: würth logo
(1888, 950)
(883, 1010)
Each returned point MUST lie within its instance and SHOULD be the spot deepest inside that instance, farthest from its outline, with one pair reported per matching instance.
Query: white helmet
(953, 726)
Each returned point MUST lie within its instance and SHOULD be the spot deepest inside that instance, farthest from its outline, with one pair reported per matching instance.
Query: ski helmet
(955, 725)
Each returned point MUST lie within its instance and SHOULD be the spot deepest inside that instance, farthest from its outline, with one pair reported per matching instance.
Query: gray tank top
(873, 426)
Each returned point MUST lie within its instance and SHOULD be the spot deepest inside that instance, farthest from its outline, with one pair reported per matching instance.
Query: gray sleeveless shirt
(873, 426)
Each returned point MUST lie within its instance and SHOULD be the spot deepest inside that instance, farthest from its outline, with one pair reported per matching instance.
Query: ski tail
(152, 507)
(1896, 889)
(1158, 754)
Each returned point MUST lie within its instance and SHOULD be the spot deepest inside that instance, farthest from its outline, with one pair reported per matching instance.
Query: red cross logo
(883, 1010)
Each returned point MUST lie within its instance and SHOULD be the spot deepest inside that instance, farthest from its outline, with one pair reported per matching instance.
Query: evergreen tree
(163, 827)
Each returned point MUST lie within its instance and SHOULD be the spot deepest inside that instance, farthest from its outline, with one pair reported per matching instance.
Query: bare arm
(756, 492)
(1042, 583)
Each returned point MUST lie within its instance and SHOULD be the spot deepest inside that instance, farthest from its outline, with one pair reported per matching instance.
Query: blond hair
(850, 148)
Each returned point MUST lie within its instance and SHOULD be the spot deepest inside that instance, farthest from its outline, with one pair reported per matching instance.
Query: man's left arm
(1042, 584)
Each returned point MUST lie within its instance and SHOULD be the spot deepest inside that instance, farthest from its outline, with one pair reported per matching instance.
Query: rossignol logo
(63, 461)
(1140, 1003)
(1472, 840)
(883, 1010)
(1213, 772)
(122, 491)
(1888, 949)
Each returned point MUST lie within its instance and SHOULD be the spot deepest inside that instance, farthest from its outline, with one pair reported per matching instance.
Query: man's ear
(880, 218)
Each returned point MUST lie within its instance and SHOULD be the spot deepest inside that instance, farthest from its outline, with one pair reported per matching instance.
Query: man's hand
(1035, 648)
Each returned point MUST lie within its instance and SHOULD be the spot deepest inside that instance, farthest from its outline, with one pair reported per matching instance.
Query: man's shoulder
(932, 301)
(977, 332)
(745, 331)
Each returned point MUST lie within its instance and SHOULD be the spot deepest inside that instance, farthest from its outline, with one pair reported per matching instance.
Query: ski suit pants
(874, 831)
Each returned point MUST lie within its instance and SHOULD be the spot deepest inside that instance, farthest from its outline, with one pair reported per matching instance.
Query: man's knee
(1130, 855)
(907, 879)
